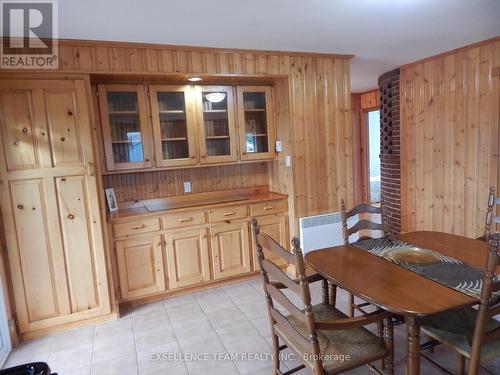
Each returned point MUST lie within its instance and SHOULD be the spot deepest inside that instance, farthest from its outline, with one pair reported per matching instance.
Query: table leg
(413, 348)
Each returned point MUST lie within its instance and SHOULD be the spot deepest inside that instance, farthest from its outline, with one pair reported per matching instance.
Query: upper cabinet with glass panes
(126, 130)
(256, 122)
(188, 125)
(174, 124)
(217, 141)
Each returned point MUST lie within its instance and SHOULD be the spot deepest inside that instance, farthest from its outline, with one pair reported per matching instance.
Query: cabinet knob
(63, 139)
(71, 216)
(20, 206)
(16, 142)
(147, 159)
(25, 130)
(70, 113)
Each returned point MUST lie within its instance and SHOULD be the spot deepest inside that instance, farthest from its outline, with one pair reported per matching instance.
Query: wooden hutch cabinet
(190, 125)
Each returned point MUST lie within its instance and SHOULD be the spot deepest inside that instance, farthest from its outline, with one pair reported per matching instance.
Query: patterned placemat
(431, 264)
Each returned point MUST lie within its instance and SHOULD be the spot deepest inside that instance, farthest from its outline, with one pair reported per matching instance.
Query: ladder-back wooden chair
(491, 217)
(363, 210)
(473, 334)
(320, 335)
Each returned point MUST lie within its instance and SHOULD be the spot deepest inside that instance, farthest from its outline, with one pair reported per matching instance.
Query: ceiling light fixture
(215, 97)
(194, 79)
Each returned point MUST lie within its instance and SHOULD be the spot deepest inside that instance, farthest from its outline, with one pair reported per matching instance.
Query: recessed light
(194, 79)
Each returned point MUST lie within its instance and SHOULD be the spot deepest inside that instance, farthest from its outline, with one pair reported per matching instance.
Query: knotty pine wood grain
(317, 116)
(450, 139)
(167, 183)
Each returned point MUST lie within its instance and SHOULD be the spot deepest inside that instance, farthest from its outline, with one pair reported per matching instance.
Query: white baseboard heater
(320, 231)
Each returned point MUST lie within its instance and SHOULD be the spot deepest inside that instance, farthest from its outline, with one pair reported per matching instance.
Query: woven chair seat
(456, 329)
(361, 345)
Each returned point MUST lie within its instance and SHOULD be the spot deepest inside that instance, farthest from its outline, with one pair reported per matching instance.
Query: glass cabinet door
(173, 125)
(216, 122)
(256, 125)
(125, 126)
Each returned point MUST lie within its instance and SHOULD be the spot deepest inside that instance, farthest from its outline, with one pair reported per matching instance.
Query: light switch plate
(187, 187)
(278, 146)
(288, 161)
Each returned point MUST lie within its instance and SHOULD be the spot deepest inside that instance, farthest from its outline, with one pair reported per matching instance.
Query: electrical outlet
(187, 187)
(278, 146)
(288, 161)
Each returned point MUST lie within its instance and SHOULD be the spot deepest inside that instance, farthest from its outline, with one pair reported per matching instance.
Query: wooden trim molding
(451, 52)
(119, 44)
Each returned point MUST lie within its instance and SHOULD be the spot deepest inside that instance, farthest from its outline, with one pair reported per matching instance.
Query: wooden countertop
(159, 206)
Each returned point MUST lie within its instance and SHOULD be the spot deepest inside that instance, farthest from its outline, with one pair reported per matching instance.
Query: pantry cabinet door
(38, 270)
(62, 122)
(17, 121)
(49, 200)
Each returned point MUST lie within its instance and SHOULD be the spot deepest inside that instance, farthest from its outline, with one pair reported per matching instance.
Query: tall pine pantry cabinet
(49, 203)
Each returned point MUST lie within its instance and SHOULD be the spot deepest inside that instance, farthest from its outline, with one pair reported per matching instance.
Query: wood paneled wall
(450, 139)
(166, 183)
(316, 111)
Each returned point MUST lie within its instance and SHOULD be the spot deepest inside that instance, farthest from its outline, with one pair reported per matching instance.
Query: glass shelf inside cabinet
(126, 136)
(256, 127)
(216, 122)
(173, 125)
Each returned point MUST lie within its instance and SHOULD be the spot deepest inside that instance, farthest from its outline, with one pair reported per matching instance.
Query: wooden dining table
(397, 289)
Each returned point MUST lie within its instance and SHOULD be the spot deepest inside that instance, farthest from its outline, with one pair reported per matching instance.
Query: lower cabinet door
(275, 227)
(140, 266)
(230, 249)
(187, 257)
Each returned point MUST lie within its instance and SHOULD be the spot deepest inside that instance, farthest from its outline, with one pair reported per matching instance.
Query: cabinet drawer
(227, 213)
(267, 208)
(136, 227)
(183, 219)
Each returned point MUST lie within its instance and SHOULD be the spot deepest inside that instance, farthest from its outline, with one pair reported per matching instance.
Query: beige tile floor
(230, 319)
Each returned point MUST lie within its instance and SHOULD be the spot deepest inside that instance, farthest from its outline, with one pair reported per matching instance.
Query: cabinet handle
(267, 208)
(228, 213)
(138, 226)
(185, 220)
